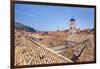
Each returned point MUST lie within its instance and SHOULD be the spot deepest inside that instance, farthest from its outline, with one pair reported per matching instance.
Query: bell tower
(72, 27)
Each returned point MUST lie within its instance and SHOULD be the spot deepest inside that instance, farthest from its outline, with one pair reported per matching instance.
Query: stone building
(72, 27)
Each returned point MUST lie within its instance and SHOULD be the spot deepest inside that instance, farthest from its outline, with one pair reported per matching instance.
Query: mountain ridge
(21, 26)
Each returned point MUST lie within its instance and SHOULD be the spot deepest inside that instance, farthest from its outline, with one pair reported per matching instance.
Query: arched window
(71, 28)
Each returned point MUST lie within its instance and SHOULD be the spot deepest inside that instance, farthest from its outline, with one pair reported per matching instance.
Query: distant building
(78, 31)
(72, 27)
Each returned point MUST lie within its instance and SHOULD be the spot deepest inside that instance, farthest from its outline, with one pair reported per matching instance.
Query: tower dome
(72, 19)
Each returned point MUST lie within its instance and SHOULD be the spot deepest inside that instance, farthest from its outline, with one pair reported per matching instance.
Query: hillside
(21, 26)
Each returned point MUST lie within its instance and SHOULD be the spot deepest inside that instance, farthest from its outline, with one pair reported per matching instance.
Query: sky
(53, 18)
